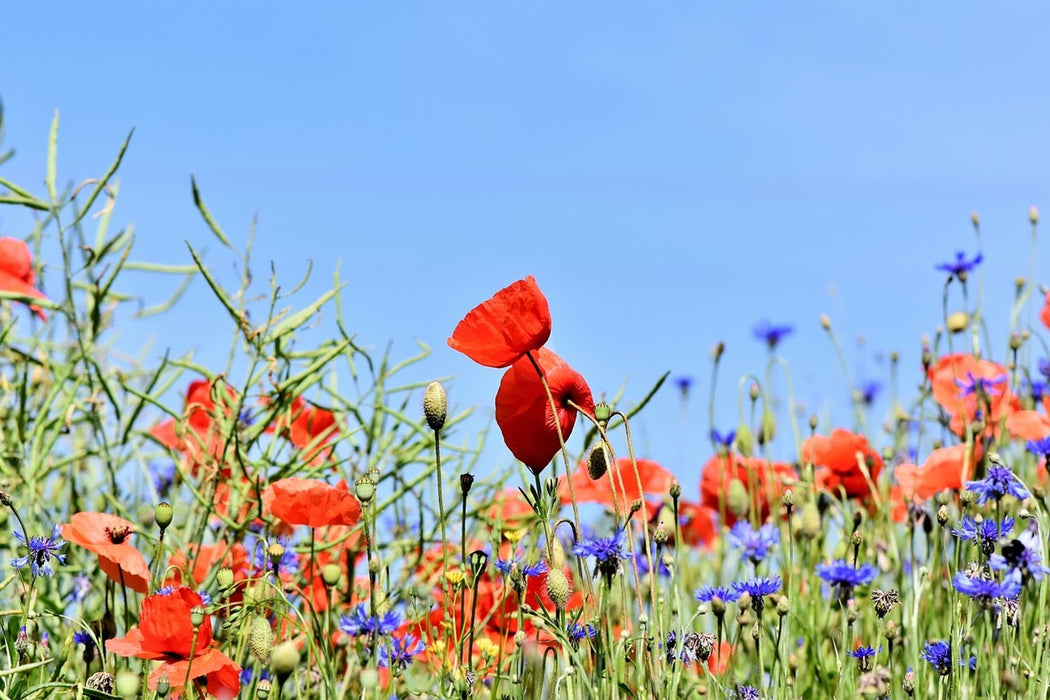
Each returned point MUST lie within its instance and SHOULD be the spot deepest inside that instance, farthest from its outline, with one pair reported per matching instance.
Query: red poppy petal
(499, 331)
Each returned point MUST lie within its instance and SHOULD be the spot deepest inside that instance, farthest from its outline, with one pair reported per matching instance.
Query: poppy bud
(943, 516)
(558, 588)
(1033, 215)
(260, 639)
(957, 321)
(736, 498)
(809, 527)
(330, 574)
(745, 440)
(275, 552)
(676, 489)
(284, 659)
(783, 606)
(163, 686)
(975, 218)
(519, 639)
(717, 351)
(224, 577)
(597, 461)
(364, 489)
(435, 405)
(466, 480)
(163, 514)
(127, 684)
(768, 429)
(754, 392)
(825, 322)
(602, 412)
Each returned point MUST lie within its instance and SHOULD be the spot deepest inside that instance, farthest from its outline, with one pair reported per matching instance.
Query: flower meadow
(303, 523)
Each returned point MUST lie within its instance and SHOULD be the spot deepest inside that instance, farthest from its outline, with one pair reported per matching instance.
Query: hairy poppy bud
(558, 588)
(435, 405)
(745, 440)
(284, 659)
(736, 498)
(369, 679)
(163, 514)
(957, 321)
(783, 606)
(597, 461)
(809, 527)
(260, 639)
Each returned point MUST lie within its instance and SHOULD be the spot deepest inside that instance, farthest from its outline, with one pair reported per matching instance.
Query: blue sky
(670, 173)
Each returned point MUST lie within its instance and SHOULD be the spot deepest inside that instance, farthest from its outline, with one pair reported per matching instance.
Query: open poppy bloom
(498, 332)
(654, 478)
(836, 458)
(16, 272)
(1028, 425)
(106, 535)
(1044, 315)
(764, 481)
(967, 387)
(523, 411)
(197, 434)
(165, 633)
(311, 502)
(309, 427)
(946, 469)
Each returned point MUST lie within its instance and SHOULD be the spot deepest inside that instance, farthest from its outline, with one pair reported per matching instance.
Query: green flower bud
(284, 659)
(260, 639)
(163, 514)
(558, 588)
(809, 527)
(435, 405)
(736, 498)
(330, 574)
(127, 684)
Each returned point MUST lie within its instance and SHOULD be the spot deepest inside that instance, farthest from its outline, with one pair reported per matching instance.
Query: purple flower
(985, 534)
(709, 593)
(772, 334)
(758, 589)
(1020, 559)
(939, 655)
(575, 631)
(721, 440)
(843, 577)
(755, 543)
(960, 266)
(981, 386)
(683, 383)
(1039, 447)
(400, 652)
(360, 621)
(607, 553)
(867, 392)
(41, 551)
(999, 482)
(984, 591)
(504, 567)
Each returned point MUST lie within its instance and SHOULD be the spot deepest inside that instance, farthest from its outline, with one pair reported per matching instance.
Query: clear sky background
(671, 173)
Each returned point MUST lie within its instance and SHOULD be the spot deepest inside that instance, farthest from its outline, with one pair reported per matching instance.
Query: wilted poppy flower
(498, 332)
(166, 633)
(309, 426)
(836, 458)
(655, 481)
(764, 482)
(523, 411)
(199, 432)
(311, 502)
(16, 272)
(965, 387)
(106, 535)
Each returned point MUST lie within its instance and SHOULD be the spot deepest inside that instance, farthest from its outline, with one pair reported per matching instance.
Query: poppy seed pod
(163, 687)
(558, 588)
(284, 659)
(597, 461)
(224, 577)
(163, 514)
(435, 405)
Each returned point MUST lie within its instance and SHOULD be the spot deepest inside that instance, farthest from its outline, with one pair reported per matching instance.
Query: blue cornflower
(1039, 447)
(1020, 558)
(984, 591)
(360, 621)
(504, 567)
(399, 654)
(81, 588)
(82, 637)
(843, 577)
(748, 692)
(1036, 389)
(205, 596)
(755, 543)
(721, 440)
(985, 534)
(247, 673)
(164, 590)
(867, 392)
(865, 657)
(960, 266)
(709, 593)
(999, 482)
(607, 553)
(758, 588)
(939, 655)
(981, 386)
(771, 333)
(641, 562)
(41, 551)
(683, 383)
(575, 631)
(162, 471)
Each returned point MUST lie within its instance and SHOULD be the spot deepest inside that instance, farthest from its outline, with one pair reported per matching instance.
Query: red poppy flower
(498, 332)
(165, 633)
(523, 411)
(1028, 425)
(963, 385)
(655, 481)
(309, 427)
(199, 433)
(947, 468)
(1044, 315)
(836, 458)
(106, 535)
(16, 272)
(769, 480)
(311, 502)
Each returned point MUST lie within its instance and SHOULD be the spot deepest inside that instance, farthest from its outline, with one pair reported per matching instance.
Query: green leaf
(208, 218)
(105, 178)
